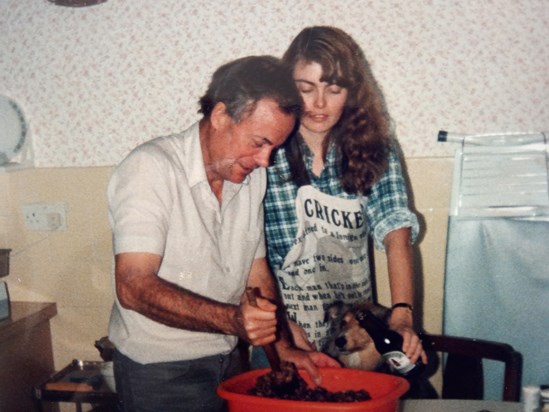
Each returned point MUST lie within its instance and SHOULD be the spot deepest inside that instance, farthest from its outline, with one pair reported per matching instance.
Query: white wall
(96, 81)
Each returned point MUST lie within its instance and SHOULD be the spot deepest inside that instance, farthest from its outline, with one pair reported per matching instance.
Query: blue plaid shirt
(386, 206)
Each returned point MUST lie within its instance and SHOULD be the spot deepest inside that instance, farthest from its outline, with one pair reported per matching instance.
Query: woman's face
(324, 102)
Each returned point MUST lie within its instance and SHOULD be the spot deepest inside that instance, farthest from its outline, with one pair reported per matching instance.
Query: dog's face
(349, 342)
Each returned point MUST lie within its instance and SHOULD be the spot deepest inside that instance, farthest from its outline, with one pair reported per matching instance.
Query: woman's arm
(398, 249)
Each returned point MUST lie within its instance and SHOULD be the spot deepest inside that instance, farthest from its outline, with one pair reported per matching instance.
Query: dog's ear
(335, 310)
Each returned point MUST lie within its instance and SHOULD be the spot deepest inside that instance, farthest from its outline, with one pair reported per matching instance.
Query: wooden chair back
(463, 372)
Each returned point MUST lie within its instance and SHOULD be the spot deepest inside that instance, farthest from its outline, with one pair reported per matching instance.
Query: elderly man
(187, 220)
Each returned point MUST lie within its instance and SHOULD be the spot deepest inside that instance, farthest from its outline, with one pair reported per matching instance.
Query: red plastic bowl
(384, 389)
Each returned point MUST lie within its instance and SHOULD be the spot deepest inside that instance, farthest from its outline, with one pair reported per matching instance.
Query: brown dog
(354, 348)
(349, 342)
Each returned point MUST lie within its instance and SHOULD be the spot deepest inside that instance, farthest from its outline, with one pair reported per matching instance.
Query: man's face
(239, 148)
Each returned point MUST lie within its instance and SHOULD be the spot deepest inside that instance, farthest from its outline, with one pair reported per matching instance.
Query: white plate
(13, 129)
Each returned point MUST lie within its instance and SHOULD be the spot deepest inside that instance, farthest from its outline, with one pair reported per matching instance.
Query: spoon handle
(270, 351)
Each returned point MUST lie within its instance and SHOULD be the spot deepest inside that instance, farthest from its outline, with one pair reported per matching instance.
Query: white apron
(328, 261)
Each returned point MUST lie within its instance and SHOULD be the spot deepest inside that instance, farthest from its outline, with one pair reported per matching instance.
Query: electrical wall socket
(45, 216)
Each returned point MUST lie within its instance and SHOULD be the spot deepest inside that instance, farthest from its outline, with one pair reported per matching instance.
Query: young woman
(333, 184)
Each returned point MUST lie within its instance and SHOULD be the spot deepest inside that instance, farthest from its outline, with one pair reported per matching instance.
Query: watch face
(4, 262)
(13, 129)
(4, 301)
(77, 3)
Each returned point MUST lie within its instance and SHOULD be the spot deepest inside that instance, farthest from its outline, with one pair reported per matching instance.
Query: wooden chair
(463, 374)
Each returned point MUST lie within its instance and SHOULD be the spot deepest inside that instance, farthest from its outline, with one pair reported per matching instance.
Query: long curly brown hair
(363, 134)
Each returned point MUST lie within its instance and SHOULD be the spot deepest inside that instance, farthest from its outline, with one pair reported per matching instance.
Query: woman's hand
(401, 322)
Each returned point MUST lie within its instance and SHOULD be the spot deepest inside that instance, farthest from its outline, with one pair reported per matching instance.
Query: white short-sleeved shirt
(160, 202)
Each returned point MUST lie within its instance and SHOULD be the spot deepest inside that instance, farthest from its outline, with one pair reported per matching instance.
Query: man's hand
(258, 322)
(300, 337)
(309, 361)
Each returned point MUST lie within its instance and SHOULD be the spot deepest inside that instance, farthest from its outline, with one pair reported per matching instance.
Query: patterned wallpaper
(96, 81)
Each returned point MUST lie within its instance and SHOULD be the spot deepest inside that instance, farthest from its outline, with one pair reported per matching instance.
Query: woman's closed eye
(335, 89)
(306, 90)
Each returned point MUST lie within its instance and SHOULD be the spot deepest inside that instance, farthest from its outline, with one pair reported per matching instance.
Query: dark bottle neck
(368, 321)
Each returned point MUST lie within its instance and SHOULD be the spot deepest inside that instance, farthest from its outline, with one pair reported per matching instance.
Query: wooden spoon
(270, 351)
(285, 378)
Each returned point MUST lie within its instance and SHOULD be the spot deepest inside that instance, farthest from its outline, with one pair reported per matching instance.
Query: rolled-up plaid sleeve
(386, 206)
